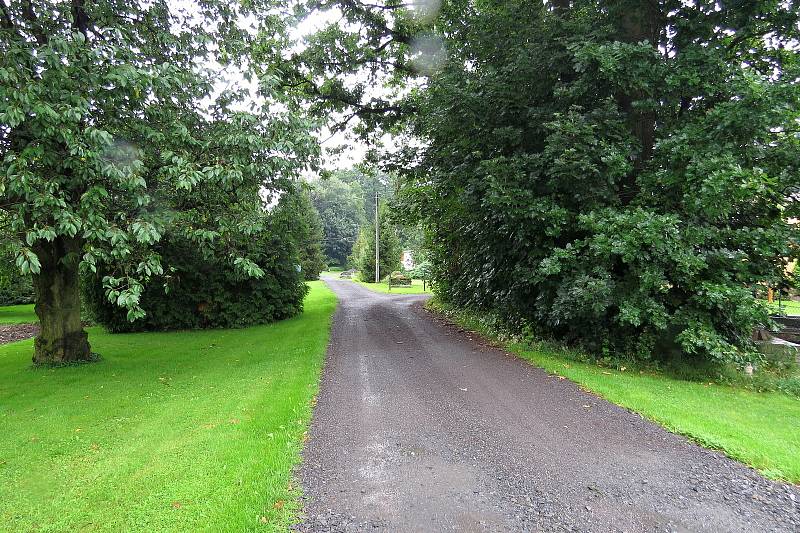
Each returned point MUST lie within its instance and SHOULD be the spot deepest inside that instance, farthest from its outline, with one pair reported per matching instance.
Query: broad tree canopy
(621, 174)
(107, 108)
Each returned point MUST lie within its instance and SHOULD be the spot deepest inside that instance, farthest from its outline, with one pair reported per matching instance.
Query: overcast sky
(353, 150)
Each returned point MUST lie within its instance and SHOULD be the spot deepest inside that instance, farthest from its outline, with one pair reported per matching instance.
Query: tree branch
(80, 20)
(29, 15)
(375, 20)
(5, 17)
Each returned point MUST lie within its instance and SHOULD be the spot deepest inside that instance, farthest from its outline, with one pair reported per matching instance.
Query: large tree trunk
(637, 21)
(58, 304)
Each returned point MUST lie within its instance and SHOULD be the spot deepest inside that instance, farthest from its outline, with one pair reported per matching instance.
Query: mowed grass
(787, 307)
(185, 431)
(761, 429)
(415, 288)
(17, 314)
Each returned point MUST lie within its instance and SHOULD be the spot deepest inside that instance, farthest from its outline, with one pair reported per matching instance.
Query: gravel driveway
(418, 427)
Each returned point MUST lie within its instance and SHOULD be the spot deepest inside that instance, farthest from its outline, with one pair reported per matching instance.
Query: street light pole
(377, 243)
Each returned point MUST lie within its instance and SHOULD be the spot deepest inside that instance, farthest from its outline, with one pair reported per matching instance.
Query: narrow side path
(418, 427)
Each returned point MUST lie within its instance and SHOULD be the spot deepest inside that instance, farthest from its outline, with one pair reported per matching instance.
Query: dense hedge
(15, 288)
(203, 289)
(579, 181)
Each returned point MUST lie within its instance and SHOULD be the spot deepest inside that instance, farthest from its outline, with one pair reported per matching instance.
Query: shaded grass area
(183, 431)
(17, 314)
(761, 429)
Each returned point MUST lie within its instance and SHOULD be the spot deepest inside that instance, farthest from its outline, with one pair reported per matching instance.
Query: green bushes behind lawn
(202, 289)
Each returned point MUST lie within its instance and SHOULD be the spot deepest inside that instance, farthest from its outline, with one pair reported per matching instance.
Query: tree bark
(637, 21)
(62, 338)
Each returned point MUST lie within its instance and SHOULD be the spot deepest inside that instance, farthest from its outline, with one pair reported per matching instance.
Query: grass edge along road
(383, 287)
(787, 307)
(180, 431)
(760, 429)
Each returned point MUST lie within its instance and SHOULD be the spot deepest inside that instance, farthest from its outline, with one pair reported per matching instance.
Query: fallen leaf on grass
(263, 520)
(176, 505)
(279, 504)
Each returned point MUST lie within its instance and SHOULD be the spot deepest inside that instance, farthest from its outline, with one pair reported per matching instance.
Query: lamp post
(377, 243)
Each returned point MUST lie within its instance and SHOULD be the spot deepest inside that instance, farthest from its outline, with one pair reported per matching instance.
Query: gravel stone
(397, 445)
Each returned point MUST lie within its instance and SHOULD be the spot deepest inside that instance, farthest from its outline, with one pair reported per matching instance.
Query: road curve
(420, 427)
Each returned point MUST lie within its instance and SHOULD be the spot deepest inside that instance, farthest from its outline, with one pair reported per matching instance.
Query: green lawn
(761, 429)
(788, 307)
(415, 288)
(17, 314)
(185, 431)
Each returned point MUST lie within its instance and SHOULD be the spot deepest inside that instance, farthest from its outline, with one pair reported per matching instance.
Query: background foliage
(341, 208)
(202, 289)
(616, 174)
(15, 288)
(363, 258)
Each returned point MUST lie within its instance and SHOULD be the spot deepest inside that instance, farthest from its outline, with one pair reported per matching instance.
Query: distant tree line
(345, 201)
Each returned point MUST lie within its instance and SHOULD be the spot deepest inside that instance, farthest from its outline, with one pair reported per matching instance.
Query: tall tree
(618, 173)
(101, 114)
(364, 249)
(371, 183)
(305, 229)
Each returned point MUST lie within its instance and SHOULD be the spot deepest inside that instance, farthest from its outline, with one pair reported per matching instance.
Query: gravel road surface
(421, 427)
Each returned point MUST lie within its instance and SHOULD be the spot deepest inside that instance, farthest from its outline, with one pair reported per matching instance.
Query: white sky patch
(341, 149)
